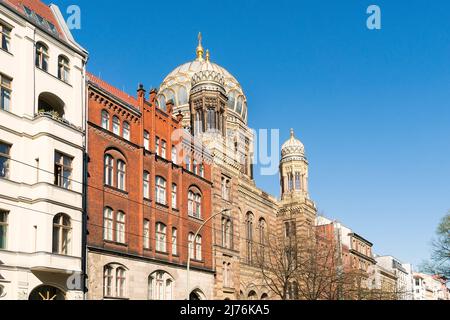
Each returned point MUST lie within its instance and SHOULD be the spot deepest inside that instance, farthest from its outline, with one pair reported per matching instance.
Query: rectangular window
(163, 148)
(174, 196)
(5, 92)
(3, 229)
(146, 140)
(63, 170)
(161, 238)
(146, 185)
(5, 35)
(120, 227)
(4, 160)
(157, 146)
(174, 155)
(174, 242)
(108, 224)
(146, 234)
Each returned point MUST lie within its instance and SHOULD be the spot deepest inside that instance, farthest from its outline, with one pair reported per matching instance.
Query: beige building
(215, 111)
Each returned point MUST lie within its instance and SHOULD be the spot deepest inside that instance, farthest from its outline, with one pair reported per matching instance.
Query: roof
(39, 8)
(121, 95)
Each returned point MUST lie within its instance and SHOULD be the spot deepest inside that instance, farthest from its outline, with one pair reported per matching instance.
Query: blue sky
(372, 107)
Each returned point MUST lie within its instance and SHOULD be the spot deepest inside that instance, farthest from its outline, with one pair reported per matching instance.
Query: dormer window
(42, 56)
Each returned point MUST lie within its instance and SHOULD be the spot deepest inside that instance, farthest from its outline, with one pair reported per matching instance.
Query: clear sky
(372, 107)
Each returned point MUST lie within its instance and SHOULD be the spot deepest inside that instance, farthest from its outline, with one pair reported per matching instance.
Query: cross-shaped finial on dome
(200, 49)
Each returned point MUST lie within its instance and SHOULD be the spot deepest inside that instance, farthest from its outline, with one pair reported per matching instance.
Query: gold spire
(208, 56)
(292, 134)
(200, 49)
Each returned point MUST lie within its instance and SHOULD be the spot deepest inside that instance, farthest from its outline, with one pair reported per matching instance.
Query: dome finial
(208, 55)
(292, 133)
(200, 49)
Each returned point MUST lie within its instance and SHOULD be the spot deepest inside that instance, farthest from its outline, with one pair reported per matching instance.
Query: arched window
(51, 104)
(160, 286)
(297, 181)
(191, 245)
(126, 131)
(116, 125)
(198, 121)
(63, 69)
(114, 281)
(249, 235)
(107, 281)
(146, 234)
(62, 230)
(161, 197)
(239, 105)
(252, 295)
(120, 227)
(198, 248)
(232, 100)
(227, 232)
(108, 224)
(105, 120)
(121, 175)
(195, 205)
(161, 237)
(109, 170)
(262, 231)
(146, 188)
(42, 56)
(162, 102)
(174, 155)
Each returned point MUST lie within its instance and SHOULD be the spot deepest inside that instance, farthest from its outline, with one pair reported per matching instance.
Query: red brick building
(149, 191)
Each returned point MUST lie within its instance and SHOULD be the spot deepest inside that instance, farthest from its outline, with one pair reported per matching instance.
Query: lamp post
(188, 292)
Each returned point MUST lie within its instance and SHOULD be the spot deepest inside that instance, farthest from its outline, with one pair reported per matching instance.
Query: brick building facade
(148, 193)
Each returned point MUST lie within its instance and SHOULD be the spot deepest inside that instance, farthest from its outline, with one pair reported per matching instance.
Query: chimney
(141, 94)
(169, 106)
(153, 93)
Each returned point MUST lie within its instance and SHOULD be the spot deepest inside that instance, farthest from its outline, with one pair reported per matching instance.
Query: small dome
(293, 148)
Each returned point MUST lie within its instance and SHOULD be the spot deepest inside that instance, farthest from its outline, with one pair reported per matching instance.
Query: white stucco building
(428, 287)
(402, 271)
(42, 71)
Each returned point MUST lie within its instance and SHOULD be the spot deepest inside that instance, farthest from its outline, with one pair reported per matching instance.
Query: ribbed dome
(178, 84)
(293, 148)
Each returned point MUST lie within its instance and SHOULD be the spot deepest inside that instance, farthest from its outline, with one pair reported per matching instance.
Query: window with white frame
(5, 34)
(195, 169)
(198, 248)
(63, 69)
(226, 188)
(174, 196)
(146, 140)
(5, 92)
(146, 234)
(161, 190)
(108, 224)
(107, 281)
(161, 237)
(226, 232)
(195, 205)
(126, 131)
(62, 229)
(121, 175)
(116, 125)
(202, 170)
(5, 159)
(42, 56)
(157, 145)
(160, 286)
(174, 155)
(191, 247)
(163, 148)
(105, 120)
(146, 188)
(120, 282)
(63, 170)
(109, 170)
(174, 241)
(3, 229)
(120, 227)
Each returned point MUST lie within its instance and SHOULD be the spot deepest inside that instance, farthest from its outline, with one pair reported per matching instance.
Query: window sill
(116, 189)
(115, 298)
(6, 51)
(196, 219)
(162, 253)
(162, 205)
(116, 243)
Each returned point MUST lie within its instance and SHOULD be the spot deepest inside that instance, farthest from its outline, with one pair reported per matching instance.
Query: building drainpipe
(84, 276)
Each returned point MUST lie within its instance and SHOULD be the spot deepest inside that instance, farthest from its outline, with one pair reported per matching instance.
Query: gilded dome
(178, 84)
(293, 148)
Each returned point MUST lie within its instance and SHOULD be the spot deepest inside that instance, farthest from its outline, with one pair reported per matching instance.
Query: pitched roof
(121, 95)
(38, 7)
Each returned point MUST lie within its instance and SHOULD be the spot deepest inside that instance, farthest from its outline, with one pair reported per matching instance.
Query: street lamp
(188, 292)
